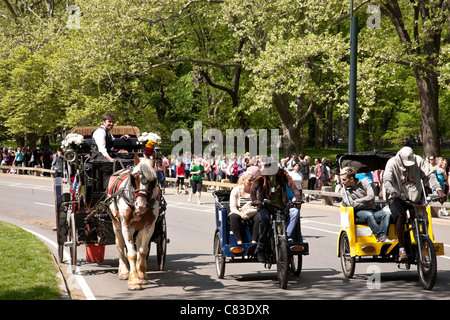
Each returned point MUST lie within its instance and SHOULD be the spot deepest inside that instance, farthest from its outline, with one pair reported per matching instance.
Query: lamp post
(352, 93)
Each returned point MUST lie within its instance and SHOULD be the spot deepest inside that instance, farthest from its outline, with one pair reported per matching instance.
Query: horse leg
(142, 242)
(133, 280)
(123, 263)
(120, 244)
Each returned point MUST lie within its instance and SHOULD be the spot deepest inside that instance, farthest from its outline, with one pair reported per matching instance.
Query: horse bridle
(141, 192)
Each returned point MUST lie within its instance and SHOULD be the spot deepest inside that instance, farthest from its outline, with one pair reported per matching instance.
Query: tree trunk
(429, 39)
(428, 87)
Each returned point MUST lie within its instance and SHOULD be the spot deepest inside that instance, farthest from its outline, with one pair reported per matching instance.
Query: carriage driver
(103, 140)
(403, 178)
(103, 144)
(359, 194)
(274, 188)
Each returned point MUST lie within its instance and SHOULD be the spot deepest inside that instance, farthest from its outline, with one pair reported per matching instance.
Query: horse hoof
(123, 276)
(143, 281)
(134, 287)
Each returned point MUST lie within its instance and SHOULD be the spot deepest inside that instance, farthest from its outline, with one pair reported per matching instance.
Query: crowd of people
(31, 158)
(230, 169)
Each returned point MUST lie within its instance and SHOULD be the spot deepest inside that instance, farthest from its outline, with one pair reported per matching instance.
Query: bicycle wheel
(296, 262)
(219, 259)
(347, 262)
(427, 266)
(282, 262)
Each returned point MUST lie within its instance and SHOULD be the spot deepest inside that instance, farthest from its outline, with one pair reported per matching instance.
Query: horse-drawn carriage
(357, 243)
(87, 212)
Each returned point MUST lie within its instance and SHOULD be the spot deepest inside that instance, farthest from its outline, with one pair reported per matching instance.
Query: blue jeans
(371, 216)
(290, 223)
(264, 225)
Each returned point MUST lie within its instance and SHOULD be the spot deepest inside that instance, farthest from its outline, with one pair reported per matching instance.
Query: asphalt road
(190, 272)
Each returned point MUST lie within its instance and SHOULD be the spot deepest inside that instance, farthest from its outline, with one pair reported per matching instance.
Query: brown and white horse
(134, 209)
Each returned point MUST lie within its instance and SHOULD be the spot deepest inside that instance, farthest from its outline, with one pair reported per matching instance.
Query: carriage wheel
(282, 262)
(161, 245)
(219, 259)
(62, 231)
(427, 266)
(347, 262)
(73, 242)
(296, 262)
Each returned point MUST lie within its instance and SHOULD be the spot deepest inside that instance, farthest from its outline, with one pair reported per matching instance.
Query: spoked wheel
(296, 262)
(219, 259)
(73, 234)
(161, 245)
(62, 231)
(282, 262)
(427, 266)
(347, 262)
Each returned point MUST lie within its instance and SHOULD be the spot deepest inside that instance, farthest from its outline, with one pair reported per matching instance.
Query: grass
(27, 269)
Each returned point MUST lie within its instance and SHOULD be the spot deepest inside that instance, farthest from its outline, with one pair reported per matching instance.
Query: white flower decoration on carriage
(149, 136)
(72, 141)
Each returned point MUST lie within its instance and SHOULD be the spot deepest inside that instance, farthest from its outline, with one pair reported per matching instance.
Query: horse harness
(128, 193)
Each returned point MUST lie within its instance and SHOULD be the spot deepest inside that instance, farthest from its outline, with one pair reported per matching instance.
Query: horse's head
(143, 180)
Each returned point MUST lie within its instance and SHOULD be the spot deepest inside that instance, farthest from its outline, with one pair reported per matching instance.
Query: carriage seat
(379, 204)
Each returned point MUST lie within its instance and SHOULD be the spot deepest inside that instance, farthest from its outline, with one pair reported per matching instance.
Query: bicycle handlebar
(428, 200)
(268, 203)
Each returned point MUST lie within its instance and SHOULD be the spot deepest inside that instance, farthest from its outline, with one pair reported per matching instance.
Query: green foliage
(161, 65)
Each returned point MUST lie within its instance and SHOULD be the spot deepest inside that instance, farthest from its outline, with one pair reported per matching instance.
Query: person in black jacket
(274, 188)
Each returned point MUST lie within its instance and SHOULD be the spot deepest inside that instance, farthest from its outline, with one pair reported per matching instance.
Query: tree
(420, 25)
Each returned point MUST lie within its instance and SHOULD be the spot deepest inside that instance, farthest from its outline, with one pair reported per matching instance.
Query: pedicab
(286, 255)
(82, 206)
(357, 243)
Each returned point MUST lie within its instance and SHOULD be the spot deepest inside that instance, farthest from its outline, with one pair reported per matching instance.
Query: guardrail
(21, 170)
(326, 193)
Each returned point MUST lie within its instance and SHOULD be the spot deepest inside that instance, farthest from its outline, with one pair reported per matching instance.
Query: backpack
(324, 176)
(304, 169)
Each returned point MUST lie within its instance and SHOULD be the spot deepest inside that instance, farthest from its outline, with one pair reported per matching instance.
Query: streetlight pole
(352, 93)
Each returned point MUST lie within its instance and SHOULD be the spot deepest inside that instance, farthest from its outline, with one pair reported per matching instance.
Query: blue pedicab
(357, 243)
(286, 255)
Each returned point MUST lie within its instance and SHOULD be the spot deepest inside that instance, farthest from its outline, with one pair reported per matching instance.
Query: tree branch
(190, 60)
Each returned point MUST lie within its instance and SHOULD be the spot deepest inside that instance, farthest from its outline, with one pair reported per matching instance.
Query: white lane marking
(44, 204)
(79, 278)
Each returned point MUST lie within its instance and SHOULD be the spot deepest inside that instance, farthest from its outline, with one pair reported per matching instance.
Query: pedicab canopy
(364, 161)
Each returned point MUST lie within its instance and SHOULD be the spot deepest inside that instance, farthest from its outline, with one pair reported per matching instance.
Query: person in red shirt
(180, 174)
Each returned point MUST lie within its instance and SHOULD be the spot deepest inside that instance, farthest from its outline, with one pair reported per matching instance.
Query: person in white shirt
(103, 140)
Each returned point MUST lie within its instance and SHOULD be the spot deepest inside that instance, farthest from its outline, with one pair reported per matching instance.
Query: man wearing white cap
(403, 177)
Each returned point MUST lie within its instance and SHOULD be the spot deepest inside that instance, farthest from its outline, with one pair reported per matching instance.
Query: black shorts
(196, 186)
(398, 208)
(180, 181)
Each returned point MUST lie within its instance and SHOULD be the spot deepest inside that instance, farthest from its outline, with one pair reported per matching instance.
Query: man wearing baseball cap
(403, 178)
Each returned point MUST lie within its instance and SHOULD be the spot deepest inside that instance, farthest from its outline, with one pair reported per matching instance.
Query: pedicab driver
(403, 177)
(272, 184)
(360, 195)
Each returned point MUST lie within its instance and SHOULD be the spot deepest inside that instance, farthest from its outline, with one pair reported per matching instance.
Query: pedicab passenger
(403, 177)
(360, 195)
(242, 212)
(272, 184)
